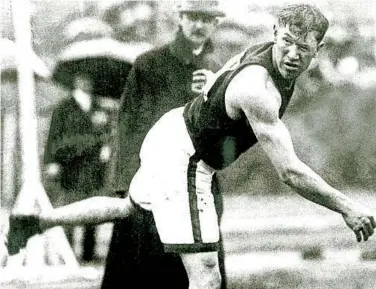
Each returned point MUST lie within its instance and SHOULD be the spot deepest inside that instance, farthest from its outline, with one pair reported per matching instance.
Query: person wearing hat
(72, 155)
(161, 79)
(92, 68)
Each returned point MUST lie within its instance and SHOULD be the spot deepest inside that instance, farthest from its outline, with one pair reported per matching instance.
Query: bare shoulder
(254, 75)
(253, 92)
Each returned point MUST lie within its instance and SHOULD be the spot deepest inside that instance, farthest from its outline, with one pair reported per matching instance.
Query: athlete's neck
(274, 61)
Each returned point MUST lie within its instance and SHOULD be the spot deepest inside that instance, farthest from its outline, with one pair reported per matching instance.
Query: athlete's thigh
(185, 213)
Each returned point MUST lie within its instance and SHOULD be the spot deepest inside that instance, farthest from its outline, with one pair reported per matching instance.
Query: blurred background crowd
(332, 116)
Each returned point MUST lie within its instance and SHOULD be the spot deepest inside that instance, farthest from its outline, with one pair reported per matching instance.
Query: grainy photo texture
(188, 144)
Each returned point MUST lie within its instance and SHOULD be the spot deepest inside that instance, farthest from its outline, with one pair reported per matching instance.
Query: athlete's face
(294, 50)
(197, 27)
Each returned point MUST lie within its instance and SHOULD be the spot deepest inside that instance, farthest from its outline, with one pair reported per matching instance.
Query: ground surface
(265, 239)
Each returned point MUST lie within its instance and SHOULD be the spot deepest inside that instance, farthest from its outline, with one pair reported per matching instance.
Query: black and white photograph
(188, 144)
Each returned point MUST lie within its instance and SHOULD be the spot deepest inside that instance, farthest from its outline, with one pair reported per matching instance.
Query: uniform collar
(181, 48)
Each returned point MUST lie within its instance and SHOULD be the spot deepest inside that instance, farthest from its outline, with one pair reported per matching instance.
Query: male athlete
(180, 153)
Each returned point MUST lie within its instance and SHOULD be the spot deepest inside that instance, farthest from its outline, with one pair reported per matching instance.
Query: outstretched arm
(260, 101)
(94, 210)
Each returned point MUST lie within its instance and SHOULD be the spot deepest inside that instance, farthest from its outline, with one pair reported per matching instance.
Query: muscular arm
(276, 141)
(94, 210)
(253, 92)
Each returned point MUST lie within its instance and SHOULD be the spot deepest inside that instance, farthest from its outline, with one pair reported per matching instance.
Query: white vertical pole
(32, 196)
(28, 121)
(26, 201)
(8, 139)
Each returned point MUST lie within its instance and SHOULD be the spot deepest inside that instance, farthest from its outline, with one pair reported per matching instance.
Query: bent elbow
(289, 176)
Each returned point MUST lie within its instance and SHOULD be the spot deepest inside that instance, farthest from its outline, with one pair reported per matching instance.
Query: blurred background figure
(10, 151)
(161, 79)
(93, 67)
(132, 21)
(73, 152)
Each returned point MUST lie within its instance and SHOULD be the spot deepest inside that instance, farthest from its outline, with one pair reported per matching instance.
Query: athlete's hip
(168, 141)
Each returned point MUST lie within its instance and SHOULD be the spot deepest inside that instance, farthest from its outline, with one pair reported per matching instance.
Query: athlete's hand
(361, 222)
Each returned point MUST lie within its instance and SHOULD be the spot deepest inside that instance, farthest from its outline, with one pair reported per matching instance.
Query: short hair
(306, 17)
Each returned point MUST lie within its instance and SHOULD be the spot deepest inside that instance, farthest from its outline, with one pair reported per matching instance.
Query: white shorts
(176, 186)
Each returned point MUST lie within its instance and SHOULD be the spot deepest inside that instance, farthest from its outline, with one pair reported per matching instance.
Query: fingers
(358, 235)
(197, 86)
(368, 226)
(196, 89)
(365, 229)
(365, 234)
(199, 78)
(201, 71)
(373, 222)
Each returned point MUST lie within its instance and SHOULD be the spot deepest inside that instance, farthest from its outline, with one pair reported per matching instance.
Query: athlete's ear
(321, 45)
(275, 32)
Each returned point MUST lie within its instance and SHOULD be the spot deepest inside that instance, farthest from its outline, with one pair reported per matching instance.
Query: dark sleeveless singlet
(206, 118)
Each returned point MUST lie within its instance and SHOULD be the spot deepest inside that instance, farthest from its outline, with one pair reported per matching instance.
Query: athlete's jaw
(291, 65)
(291, 69)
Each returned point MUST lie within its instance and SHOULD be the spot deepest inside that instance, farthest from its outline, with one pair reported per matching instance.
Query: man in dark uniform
(246, 100)
(160, 80)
